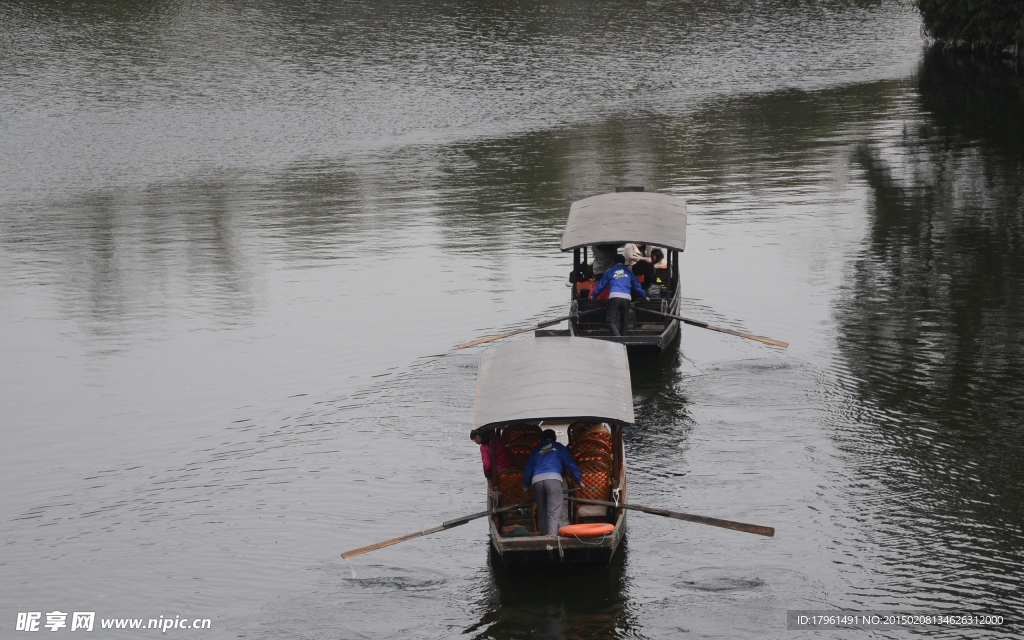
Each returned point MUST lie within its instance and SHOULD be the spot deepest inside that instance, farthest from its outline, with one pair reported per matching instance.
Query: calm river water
(238, 241)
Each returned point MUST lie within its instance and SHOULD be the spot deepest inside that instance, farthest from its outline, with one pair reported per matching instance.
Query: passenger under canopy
(605, 223)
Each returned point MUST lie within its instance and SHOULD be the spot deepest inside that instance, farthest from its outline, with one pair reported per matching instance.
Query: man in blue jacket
(622, 283)
(543, 473)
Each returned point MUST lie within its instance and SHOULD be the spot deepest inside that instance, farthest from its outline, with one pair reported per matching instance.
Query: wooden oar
(426, 532)
(704, 325)
(534, 328)
(714, 522)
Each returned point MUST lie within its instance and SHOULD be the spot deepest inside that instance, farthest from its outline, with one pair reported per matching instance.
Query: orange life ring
(586, 530)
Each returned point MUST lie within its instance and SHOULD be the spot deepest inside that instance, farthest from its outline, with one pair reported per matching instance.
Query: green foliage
(995, 25)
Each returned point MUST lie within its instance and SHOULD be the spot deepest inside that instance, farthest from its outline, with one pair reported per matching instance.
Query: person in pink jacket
(484, 440)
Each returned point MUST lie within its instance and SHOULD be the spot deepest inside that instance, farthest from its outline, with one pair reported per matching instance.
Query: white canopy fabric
(553, 378)
(616, 218)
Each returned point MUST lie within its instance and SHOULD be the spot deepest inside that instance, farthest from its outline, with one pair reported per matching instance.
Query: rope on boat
(599, 542)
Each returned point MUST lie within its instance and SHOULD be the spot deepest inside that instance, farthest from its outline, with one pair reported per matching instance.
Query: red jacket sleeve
(485, 453)
(504, 461)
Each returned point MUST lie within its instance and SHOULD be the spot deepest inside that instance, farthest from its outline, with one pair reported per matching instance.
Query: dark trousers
(617, 315)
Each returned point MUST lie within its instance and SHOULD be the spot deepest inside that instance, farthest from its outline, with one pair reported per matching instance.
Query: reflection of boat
(580, 388)
(583, 602)
(655, 219)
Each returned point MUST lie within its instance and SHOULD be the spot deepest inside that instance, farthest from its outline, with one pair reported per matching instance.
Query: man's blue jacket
(550, 457)
(621, 280)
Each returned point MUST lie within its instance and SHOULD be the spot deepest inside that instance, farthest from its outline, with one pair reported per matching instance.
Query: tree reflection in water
(932, 329)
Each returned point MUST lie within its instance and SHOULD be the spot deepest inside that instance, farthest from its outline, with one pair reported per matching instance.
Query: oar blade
(426, 532)
(541, 325)
(704, 325)
(750, 336)
(546, 323)
(689, 517)
(466, 345)
(387, 543)
(756, 529)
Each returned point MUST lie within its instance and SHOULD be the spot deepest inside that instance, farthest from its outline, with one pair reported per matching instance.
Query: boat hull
(638, 341)
(599, 465)
(547, 551)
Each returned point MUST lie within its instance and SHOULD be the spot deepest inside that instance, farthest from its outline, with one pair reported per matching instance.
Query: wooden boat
(628, 215)
(581, 389)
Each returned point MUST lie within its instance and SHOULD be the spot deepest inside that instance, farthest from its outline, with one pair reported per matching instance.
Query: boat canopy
(553, 378)
(616, 218)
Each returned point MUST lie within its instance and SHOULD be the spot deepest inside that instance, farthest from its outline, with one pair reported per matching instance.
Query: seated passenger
(585, 281)
(660, 272)
(580, 273)
(484, 440)
(604, 259)
(636, 252)
(654, 291)
(644, 272)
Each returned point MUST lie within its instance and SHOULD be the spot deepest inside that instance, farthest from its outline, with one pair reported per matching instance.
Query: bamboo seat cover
(519, 454)
(579, 427)
(510, 432)
(595, 434)
(590, 445)
(530, 440)
(592, 442)
(510, 487)
(597, 480)
(594, 455)
(597, 486)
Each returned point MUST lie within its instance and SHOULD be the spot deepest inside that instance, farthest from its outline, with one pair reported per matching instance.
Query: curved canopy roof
(553, 378)
(616, 218)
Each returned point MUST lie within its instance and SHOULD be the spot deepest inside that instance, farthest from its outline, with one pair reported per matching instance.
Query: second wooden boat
(609, 221)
